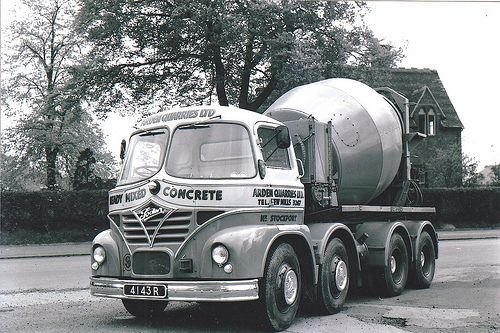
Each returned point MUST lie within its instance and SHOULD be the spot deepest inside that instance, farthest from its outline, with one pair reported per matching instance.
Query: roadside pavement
(468, 234)
(45, 250)
(79, 249)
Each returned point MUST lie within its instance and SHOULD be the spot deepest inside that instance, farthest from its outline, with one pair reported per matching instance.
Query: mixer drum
(367, 133)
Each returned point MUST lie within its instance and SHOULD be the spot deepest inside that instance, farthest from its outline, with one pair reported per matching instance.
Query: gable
(425, 98)
(411, 83)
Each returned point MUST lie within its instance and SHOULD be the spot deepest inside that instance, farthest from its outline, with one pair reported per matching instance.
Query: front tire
(334, 273)
(281, 288)
(144, 309)
(394, 275)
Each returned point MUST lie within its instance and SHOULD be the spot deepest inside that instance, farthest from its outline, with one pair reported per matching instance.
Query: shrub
(48, 211)
(77, 214)
(465, 207)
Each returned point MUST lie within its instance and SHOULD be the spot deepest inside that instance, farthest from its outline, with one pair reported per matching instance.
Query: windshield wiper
(151, 133)
(199, 124)
(192, 126)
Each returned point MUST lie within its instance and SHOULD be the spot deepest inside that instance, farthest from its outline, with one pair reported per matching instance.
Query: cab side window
(273, 156)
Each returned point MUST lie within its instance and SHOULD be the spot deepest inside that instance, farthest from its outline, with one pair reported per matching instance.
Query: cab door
(282, 173)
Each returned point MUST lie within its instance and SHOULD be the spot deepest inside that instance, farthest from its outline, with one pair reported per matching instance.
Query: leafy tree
(16, 176)
(470, 176)
(449, 167)
(241, 52)
(84, 171)
(495, 179)
(88, 173)
(41, 93)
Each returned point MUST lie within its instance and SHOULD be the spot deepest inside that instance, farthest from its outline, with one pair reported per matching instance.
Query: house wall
(439, 158)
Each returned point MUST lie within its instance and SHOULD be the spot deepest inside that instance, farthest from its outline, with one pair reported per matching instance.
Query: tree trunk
(51, 156)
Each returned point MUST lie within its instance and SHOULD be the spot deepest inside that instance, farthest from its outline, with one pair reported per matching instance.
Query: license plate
(145, 290)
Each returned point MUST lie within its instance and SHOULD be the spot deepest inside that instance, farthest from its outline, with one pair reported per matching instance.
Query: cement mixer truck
(299, 205)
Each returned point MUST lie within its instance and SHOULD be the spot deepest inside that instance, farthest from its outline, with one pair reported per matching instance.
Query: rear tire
(280, 288)
(334, 273)
(392, 278)
(143, 308)
(425, 264)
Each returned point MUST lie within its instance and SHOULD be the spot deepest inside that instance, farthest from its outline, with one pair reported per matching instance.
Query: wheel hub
(422, 258)
(341, 275)
(290, 286)
(393, 265)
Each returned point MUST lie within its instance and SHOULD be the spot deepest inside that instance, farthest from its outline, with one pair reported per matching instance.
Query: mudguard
(379, 236)
(415, 229)
(321, 233)
(111, 265)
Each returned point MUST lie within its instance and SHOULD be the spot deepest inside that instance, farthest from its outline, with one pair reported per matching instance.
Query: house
(437, 158)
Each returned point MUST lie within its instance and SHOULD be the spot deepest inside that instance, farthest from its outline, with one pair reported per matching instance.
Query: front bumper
(191, 291)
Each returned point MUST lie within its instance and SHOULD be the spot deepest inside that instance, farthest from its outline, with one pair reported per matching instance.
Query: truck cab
(202, 196)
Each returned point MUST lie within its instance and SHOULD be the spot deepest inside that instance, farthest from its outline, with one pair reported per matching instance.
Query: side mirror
(282, 137)
(123, 149)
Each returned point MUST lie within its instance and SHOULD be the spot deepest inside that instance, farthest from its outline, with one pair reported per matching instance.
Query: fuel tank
(366, 135)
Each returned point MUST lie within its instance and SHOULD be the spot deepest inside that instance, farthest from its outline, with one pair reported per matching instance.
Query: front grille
(174, 230)
(151, 263)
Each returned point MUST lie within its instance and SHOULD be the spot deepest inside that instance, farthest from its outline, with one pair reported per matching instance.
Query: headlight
(99, 254)
(220, 254)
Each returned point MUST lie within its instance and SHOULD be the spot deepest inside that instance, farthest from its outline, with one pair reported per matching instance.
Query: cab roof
(189, 115)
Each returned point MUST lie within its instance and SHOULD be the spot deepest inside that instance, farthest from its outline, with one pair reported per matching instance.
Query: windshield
(145, 155)
(215, 150)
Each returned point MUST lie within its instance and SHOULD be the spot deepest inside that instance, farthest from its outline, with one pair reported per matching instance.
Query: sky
(458, 39)
(462, 42)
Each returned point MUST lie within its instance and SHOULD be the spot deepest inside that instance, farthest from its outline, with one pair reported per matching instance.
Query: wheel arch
(346, 236)
(415, 229)
(429, 228)
(322, 233)
(302, 248)
(379, 238)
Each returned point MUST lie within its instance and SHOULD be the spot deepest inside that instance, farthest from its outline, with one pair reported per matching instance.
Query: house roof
(412, 83)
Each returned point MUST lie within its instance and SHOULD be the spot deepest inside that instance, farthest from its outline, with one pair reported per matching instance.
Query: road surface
(50, 295)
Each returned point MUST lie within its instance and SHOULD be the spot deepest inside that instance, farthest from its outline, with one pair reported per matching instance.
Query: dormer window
(422, 121)
(431, 116)
(427, 121)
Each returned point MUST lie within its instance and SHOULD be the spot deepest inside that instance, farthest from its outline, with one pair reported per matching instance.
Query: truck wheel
(425, 265)
(281, 288)
(333, 278)
(144, 309)
(395, 273)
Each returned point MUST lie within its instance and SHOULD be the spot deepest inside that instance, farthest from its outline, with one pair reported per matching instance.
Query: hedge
(86, 210)
(465, 207)
(54, 210)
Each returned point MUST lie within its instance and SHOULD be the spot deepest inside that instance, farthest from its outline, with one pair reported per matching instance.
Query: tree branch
(264, 94)
(245, 74)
